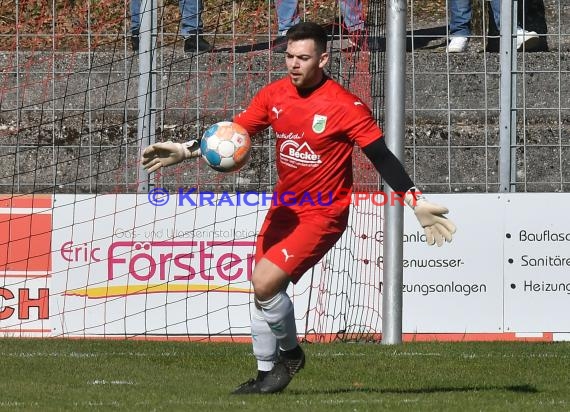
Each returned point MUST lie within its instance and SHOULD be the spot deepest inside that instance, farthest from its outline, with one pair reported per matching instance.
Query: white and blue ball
(225, 146)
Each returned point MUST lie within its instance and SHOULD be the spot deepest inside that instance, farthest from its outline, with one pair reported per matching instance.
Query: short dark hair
(309, 30)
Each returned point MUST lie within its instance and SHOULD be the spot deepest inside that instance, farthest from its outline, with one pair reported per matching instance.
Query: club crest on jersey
(319, 123)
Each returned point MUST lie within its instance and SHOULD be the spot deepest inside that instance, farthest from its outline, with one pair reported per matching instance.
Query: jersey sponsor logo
(293, 154)
(319, 123)
(289, 136)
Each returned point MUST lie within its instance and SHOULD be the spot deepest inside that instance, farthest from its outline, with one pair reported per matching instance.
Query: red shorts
(296, 241)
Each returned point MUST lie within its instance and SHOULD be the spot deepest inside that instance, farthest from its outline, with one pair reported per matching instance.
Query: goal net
(83, 253)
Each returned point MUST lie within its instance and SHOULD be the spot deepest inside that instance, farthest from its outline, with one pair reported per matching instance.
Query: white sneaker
(457, 44)
(526, 40)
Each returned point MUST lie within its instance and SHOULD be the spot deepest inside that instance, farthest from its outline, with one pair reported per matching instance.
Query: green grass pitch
(90, 375)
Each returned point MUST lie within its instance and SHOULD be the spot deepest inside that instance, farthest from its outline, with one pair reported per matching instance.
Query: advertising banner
(536, 262)
(456, 288)
(25, 265)
(180, 265)
(123, 266)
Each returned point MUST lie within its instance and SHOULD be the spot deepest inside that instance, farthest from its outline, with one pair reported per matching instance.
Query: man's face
(304, 63)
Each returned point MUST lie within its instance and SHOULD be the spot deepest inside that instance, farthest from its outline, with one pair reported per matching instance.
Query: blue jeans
(351, 11)
(460, 16)
(288, 16)
(190, 23)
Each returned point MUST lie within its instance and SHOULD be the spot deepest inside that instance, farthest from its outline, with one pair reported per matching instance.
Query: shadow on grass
(443, 389)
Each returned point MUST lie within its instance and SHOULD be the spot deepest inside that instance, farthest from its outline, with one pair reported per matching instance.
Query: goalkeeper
(317, 123)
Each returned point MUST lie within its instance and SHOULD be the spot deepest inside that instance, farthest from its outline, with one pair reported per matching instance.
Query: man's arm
(170, 153)
(431, 216)
(388, 166)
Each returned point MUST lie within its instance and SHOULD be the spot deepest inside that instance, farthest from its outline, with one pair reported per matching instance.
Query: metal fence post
(146, 124)
(394, 130)
(508, 114)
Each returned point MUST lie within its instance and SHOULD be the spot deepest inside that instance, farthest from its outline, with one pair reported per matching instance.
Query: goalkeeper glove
(168, 153)
(436, 226)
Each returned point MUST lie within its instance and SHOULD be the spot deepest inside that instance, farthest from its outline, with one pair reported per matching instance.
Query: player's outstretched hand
(436, 226)
(168, 153)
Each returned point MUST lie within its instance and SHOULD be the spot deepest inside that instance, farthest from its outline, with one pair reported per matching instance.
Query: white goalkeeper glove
(169, 153)
(436, 226)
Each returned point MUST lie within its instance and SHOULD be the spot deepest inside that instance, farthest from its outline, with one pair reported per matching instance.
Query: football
(225, 146)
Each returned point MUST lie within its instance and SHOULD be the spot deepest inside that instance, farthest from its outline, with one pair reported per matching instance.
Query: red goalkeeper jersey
(315, 136)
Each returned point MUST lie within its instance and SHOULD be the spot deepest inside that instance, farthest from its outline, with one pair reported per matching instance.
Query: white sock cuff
(265, 366)
(274, 301)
